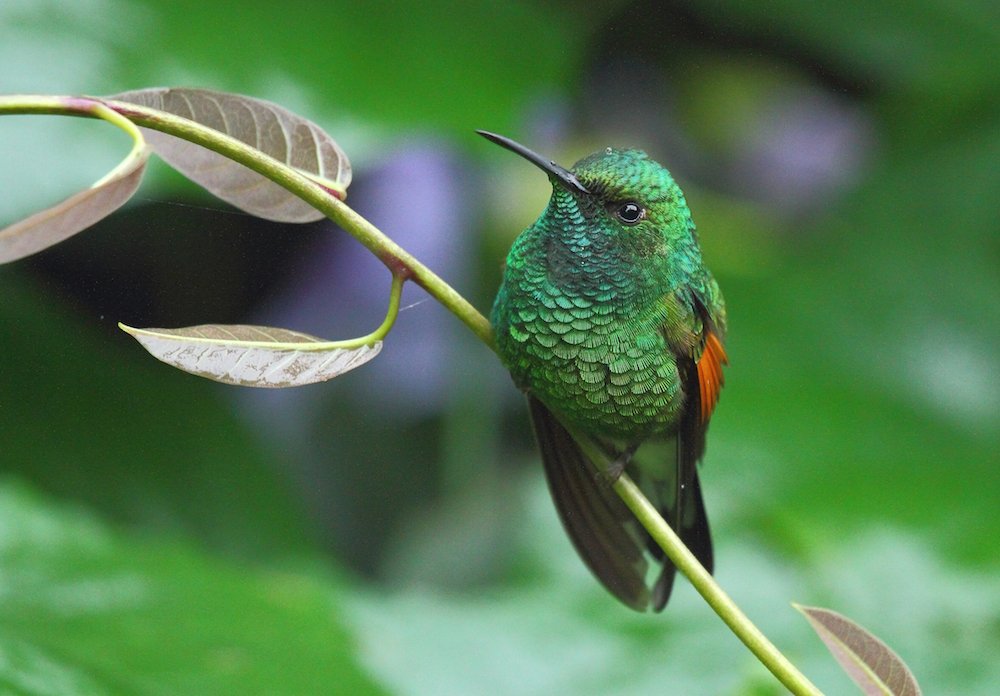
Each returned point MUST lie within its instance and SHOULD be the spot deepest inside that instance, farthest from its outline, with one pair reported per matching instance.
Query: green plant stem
(721, 603)
(405, 267)
(398, 260)
(395, 293)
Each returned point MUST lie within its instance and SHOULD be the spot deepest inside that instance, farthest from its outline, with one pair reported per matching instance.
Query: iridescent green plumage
(609, 321)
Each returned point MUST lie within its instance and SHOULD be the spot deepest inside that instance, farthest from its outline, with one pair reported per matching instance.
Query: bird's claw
(617, 467)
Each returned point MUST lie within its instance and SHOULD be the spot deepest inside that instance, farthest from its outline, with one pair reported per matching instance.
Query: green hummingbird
(609, 321)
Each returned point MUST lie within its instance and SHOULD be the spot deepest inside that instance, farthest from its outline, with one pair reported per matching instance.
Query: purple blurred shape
(805, 148)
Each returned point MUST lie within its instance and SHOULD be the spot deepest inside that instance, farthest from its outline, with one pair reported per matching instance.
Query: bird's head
(623, 193)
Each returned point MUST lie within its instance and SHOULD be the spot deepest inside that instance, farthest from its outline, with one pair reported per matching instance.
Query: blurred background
(390, 532)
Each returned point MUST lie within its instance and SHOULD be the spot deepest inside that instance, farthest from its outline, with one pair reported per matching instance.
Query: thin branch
(721, 603)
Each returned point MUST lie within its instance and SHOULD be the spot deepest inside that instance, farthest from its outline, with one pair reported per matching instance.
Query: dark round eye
(630, 212)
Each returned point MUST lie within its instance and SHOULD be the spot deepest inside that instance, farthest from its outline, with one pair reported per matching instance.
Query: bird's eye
(630, 212)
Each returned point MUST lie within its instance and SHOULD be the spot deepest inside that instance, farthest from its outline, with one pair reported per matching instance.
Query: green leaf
(86, 611)
(270, 128)
(78, 212)
(254, 356)
(867, 660)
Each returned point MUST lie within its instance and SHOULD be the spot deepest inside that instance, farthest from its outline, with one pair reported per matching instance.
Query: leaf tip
(866, 659)
(134, 331)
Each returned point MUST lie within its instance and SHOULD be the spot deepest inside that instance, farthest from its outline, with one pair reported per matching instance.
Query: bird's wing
(710, 377)
(694, 334)
(601, 527)
(709, 309)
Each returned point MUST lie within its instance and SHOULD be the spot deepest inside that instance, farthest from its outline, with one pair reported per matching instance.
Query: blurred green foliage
(87, 612)
(153, 539)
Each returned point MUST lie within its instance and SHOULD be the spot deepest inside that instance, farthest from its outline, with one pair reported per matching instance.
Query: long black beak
(558, 174)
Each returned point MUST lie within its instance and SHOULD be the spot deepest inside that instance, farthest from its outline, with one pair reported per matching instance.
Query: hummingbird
(610, 323)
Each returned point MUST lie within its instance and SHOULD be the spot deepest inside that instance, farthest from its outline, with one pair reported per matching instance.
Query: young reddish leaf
(76, 213)
(270, 128)
(254, 356)
(867, 660)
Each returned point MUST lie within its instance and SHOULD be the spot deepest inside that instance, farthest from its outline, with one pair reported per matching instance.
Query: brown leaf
(253, 356)
(76, 213)
(270, 128)
(867, 660)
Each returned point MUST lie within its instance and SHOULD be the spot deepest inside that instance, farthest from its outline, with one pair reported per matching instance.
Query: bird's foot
(617, 467)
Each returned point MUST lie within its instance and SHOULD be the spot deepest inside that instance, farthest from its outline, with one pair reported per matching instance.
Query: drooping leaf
(78, 212)
(872, 664)
(253, 356)
(270, 128)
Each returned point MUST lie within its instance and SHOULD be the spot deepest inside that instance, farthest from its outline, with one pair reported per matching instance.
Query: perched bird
(609, 321)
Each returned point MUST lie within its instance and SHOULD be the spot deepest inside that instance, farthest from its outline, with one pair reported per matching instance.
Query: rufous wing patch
(710, 378)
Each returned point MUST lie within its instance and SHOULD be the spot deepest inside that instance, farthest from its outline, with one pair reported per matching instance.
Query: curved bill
(558, 174)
